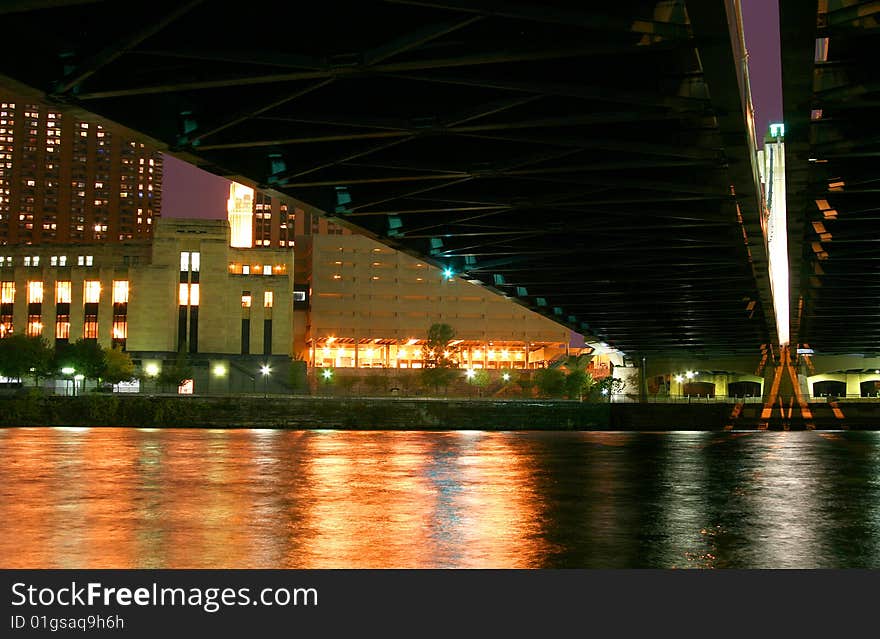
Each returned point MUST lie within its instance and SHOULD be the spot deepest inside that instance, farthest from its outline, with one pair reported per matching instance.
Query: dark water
(118, 498)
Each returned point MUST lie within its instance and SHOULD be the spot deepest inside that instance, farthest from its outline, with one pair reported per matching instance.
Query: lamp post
(265, 370)
(219, 371)
(152, 370)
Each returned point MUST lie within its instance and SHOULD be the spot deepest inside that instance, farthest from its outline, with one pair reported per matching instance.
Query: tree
(439, 367)
(577, 384)
(438, 377)
(605, 388)
(118, 366)
(577, 380)
(176, 373)
(21, 355)
(87, 357)
(526, 383)
(550, 382)
(438, 351)
(480, 379)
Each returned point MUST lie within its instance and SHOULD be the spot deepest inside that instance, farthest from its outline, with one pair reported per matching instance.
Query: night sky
(190, 192)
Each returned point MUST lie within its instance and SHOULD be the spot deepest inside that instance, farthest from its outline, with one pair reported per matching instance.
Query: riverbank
(392, 413)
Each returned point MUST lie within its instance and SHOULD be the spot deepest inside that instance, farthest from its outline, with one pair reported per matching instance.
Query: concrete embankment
(392, 413)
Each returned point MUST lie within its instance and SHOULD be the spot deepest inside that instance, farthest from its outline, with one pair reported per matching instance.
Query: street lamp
(265, 370)
(219, 371)
(152, 370)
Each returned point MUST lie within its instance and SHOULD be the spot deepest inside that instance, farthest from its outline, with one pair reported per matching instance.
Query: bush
(550, 382)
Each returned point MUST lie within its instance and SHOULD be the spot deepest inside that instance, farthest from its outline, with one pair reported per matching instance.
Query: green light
(777, 130)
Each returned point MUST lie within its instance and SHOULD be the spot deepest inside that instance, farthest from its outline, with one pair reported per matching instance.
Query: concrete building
(188, 289)
(63, 179)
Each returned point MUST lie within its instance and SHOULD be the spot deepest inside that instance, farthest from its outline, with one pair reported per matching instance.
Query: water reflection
(114, 498)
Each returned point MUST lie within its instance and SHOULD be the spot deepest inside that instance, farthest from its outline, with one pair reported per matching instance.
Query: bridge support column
(643, 381)
(783, 401)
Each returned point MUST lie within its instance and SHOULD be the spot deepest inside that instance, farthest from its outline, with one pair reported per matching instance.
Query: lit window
(35, 292)
(268, 298)
(62, 327)
(195, 260)
(183, 294)
(27, 260)
(53, 261)
(89, 260)
(120, 291)
(193, 294)
(245, 269)
(184, 261)
(92, 291)
(267, 269)
(62, 260)
(7, 292)
(62, 292)
(80, 260)
(246, 299)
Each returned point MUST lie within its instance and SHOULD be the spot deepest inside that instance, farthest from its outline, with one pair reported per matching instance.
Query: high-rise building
(65, 180)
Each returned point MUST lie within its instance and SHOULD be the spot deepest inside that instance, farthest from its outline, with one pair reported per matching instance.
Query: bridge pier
(785, 405)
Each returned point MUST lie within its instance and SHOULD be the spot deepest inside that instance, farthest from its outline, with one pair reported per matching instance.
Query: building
(229, 308)
(65, 180)
(361, 304)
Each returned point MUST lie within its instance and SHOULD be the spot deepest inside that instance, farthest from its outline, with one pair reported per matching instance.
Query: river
(194, 498)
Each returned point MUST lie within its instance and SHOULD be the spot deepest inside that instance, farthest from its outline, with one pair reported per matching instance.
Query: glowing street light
(469, 373)
(448, 273)
(265, 370)
(505, 377)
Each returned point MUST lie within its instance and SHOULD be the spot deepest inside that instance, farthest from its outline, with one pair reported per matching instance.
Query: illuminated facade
(361, 304)
(186, 290)
(65, 180)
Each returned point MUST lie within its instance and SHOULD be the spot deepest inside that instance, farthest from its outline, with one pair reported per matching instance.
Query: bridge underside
(831, 94)
(594, 165)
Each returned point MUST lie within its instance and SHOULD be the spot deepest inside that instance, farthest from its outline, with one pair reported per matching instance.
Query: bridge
(596, 165)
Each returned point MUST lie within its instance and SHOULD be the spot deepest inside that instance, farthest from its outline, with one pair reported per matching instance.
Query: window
(62, 292)
(245, 299)
(299, 296)
(268, 298)
(89, 260)
(62, 260)
(92, 291)
(120, 291)
(35, 292)
(195, 259)
(245, 269)
(184, 261)
(7, 293)
(183, 294)
(193, 294)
